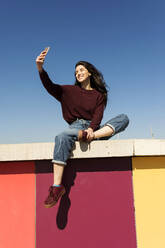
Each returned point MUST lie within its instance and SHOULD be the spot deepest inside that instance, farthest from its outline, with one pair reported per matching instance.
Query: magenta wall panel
(97, 210)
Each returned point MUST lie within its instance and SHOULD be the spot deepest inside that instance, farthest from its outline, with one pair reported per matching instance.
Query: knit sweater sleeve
(53, 89)
(98, 113)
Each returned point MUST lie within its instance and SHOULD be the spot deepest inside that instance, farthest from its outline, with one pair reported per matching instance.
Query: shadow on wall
(70, 172)
(148, 162)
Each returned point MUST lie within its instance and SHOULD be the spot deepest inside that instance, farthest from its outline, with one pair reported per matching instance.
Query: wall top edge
(110, 148)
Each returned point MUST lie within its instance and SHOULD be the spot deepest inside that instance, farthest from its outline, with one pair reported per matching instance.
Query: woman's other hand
(90, 134)
(40, 59)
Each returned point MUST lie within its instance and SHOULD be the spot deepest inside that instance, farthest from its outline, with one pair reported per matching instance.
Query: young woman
(82, 105)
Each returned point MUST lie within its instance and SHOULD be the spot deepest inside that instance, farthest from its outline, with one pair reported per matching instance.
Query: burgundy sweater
(76, 102)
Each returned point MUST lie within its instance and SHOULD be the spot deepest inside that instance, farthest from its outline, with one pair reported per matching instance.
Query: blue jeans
(64, 142)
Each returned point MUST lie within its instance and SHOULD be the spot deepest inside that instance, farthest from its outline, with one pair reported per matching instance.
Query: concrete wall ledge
(96, 149)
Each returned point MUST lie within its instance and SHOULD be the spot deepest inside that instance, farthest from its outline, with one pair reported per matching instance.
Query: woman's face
(81, 73)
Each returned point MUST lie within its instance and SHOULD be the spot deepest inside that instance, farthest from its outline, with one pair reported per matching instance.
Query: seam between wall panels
(133, 147)
(35, 205)
(134, 201)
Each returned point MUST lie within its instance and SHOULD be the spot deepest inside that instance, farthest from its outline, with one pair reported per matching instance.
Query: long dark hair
(96, 79)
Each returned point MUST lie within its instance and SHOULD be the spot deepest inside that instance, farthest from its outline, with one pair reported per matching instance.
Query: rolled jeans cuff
(58, 162)
(111, 127)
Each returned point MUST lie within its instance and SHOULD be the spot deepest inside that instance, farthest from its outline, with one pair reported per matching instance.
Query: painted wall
(17, 205)
(149, 192)
(111, 201)
(97, 209)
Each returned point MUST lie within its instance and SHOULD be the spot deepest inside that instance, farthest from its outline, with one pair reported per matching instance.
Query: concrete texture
(150, 147)
(110, 148)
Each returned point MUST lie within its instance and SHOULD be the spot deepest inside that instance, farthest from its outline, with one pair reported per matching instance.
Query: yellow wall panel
(149, 197)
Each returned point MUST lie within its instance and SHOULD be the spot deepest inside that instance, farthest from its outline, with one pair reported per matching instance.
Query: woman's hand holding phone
(40, 59)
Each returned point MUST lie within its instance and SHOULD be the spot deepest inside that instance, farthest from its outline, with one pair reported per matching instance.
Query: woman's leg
(112, 127)
(64, 143)
(105, 131)
(58, 171)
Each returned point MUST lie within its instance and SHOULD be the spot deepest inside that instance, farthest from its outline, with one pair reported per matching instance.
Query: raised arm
(53, 89)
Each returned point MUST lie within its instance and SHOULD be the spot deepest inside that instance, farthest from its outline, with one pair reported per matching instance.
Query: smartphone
(47, 49)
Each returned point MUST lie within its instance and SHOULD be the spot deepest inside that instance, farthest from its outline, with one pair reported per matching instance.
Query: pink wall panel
(17, 204)
(97, 209)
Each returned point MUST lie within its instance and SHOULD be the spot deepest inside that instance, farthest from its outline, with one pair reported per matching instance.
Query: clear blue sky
(125, 40)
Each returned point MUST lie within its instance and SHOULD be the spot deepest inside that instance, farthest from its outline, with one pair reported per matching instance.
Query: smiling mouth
(80, 78)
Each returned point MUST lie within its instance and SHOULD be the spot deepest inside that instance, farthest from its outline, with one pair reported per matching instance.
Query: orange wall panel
(17, 204)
